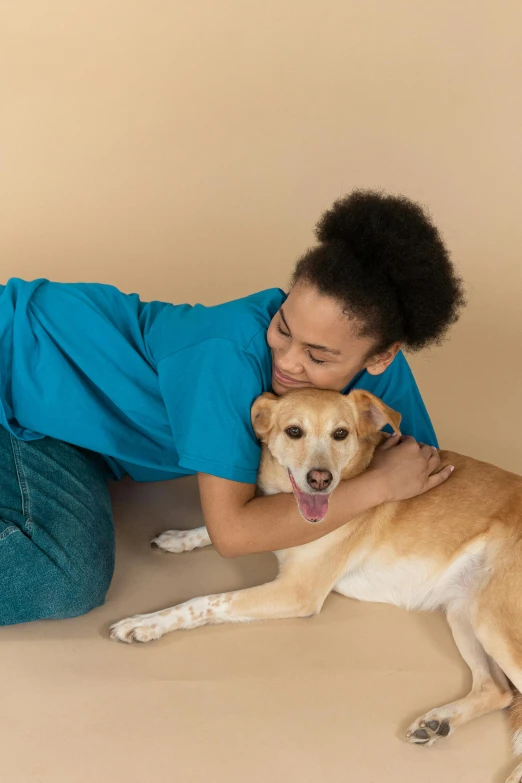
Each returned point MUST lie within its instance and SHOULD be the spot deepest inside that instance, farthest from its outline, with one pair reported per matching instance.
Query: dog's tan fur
(456, 548)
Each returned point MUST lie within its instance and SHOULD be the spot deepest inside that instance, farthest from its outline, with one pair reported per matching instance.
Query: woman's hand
(406, 468)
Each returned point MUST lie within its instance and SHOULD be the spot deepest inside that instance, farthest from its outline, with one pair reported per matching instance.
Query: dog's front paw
(140, 628)
(181, 540)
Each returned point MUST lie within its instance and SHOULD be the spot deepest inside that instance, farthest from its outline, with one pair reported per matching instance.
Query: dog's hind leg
(490, 689)
(504, 646)
(515, 719)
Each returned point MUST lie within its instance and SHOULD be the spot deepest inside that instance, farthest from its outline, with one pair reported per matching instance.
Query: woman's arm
(240, 523)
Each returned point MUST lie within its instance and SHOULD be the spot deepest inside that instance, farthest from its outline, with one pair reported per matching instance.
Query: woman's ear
(381, 361)
(371, 414)
(262, 415)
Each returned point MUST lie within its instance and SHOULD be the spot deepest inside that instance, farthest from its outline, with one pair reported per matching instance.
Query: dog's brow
(333, 351)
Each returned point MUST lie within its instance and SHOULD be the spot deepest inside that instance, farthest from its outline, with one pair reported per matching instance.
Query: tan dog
(456, 548)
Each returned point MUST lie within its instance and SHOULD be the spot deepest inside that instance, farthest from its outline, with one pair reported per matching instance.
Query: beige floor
(323, 700)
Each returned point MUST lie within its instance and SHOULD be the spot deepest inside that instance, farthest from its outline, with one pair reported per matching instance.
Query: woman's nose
(289, 361)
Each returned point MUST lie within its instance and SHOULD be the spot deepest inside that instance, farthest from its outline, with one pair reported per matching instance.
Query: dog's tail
(515, 720)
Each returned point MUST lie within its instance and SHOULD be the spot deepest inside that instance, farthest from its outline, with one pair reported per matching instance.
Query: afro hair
(385, 262)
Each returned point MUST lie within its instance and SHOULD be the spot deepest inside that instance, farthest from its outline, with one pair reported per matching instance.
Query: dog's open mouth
(312, 505)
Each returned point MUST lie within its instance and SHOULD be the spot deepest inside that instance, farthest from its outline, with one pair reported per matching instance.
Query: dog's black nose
(319, 479)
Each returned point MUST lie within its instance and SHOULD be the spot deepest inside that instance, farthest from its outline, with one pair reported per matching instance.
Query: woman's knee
(40, 585)
(77, 593)
(56, 531)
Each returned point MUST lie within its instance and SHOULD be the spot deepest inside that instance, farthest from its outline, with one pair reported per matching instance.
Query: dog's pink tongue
(313, 507)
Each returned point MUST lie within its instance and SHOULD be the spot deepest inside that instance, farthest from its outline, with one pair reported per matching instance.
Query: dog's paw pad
(428, 730)
(420, 735)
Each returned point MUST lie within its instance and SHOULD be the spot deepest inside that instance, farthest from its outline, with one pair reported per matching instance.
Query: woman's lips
(283, 379)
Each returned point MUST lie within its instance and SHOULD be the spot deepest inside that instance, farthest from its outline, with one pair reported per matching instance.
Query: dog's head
(319, 437)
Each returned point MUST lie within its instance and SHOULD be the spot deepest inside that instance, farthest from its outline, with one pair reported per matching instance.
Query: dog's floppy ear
(372, 414)
(262, 414)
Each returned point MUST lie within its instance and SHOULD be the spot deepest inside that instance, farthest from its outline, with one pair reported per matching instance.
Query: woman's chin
(278, 388)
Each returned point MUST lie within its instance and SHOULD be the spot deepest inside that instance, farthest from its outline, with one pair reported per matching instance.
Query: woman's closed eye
(316, 361)
(312, 358)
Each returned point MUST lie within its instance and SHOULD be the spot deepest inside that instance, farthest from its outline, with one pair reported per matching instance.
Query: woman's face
(314, 344)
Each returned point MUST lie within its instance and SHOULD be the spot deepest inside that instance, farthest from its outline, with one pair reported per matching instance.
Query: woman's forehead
(314, 318)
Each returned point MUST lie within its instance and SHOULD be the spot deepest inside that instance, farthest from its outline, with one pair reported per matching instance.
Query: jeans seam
(8, 531)
(22, 482)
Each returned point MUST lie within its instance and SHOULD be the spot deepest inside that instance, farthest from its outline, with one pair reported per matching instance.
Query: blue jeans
(56, 530)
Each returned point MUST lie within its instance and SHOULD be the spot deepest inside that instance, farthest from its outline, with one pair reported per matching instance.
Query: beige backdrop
(185, 148)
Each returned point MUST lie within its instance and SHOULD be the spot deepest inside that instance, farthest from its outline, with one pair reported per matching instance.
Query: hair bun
(375, 228)
(336, 223)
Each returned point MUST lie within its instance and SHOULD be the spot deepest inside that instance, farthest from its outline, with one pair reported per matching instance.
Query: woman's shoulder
(241, 322)
(249, 311)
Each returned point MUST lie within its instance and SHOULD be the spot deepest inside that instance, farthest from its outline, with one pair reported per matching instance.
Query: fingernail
(452, 468)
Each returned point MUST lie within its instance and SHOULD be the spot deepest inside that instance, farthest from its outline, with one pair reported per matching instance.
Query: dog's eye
(294, 432)
(340, 434)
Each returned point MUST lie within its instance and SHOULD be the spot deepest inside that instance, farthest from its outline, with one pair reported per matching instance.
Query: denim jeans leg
(56, 530)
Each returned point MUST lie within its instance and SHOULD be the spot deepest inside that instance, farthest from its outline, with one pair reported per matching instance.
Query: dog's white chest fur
(410, 582)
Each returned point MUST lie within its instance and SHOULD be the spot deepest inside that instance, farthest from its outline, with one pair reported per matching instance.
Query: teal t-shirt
(161, 390)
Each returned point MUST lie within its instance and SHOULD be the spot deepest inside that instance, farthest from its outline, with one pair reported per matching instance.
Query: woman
(95, 381)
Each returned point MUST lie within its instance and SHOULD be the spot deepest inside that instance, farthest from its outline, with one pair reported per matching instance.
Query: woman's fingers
(390, 442)
(439, 478)
(433, 461)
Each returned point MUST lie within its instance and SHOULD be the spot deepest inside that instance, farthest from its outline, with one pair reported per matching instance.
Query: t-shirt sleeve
(398, 389)
(208, 390)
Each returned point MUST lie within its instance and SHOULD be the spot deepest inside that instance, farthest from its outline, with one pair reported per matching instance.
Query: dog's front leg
(270, 601)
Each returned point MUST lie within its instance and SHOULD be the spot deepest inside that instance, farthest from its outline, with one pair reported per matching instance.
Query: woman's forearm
(273, 522)
(240, 524)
